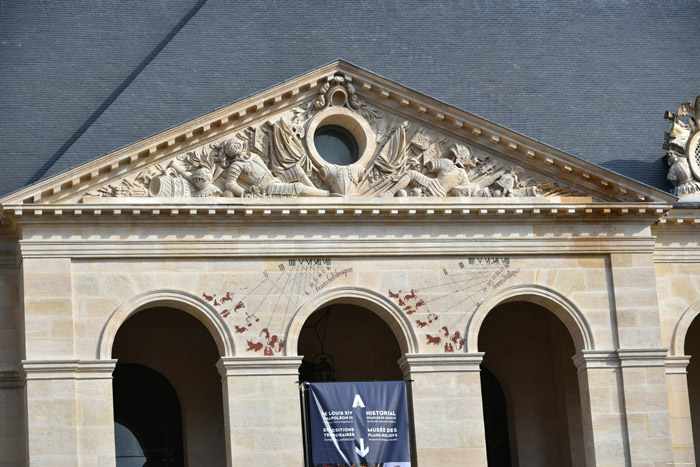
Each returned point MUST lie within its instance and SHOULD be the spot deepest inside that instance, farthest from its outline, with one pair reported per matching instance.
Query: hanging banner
(359, 424)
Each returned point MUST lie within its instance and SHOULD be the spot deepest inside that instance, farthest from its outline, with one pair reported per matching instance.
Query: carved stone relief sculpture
(386, 157)
(448, 174)
(682, 143)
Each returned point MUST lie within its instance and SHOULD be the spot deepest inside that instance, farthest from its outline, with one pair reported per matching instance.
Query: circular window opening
(336, 145)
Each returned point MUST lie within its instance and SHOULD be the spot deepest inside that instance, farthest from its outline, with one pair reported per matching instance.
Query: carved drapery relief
(682, 143)
(278, 159)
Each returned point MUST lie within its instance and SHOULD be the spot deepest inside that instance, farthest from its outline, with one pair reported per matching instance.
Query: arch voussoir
(373, 301)
(550, 299)
(180, 300)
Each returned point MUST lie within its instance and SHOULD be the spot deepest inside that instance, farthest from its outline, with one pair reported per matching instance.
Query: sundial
(434, 305)
(437, 304)
(281, 287)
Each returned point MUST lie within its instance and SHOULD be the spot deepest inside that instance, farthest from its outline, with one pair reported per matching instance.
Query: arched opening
(345, 342)
(692, 348)
(159, 348)
(527, 353)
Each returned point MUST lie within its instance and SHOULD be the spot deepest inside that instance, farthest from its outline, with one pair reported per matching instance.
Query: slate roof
(590, 77)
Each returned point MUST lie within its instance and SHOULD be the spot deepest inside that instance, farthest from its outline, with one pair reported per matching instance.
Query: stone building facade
(542, 308)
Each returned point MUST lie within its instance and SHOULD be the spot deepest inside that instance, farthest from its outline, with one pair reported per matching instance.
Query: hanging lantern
(324, 371)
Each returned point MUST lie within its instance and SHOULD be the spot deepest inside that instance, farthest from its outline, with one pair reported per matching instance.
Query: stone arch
(681, 329)
(382, 306)
(183, 301)
(550, 299)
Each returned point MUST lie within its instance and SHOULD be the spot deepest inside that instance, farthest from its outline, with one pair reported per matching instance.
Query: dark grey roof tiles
(59, 62)
(592, 78)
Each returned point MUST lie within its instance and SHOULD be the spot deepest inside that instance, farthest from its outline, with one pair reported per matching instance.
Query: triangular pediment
(338, 131)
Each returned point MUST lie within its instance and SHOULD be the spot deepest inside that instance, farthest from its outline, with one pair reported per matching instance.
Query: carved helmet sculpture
(682, 142)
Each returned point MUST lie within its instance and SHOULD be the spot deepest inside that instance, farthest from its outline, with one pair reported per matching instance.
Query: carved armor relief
(682, 143)
(334, 145)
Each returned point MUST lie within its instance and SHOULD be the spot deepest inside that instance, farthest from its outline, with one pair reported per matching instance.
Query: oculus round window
(336, 145)
(694, 154)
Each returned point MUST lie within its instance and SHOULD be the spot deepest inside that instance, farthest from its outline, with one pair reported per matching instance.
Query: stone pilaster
(47, 309)
(679, 408)
(638, 325)
(69, 412)
(602, 408)
(646, 406)
(447, 407)
(262, 410)
(95, 412)
(624, 407)
(641, 354)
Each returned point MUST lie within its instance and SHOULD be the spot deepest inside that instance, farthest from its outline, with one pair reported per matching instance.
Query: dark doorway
(692, 348)
(528, 350)
(180, 349)
(495, 420)
(147, 405)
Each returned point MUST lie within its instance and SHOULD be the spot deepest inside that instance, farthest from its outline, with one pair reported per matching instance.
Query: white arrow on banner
(362, 450)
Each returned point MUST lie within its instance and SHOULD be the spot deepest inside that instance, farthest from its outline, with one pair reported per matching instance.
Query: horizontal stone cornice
(412, 364)
(259, 366)
(66, 369)
(677, 364)
(620, 358)
(664, 254)
(642, 357)
(340, 247)
(596, 359)
(683, 218)
(353, 209)
(582, 235)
